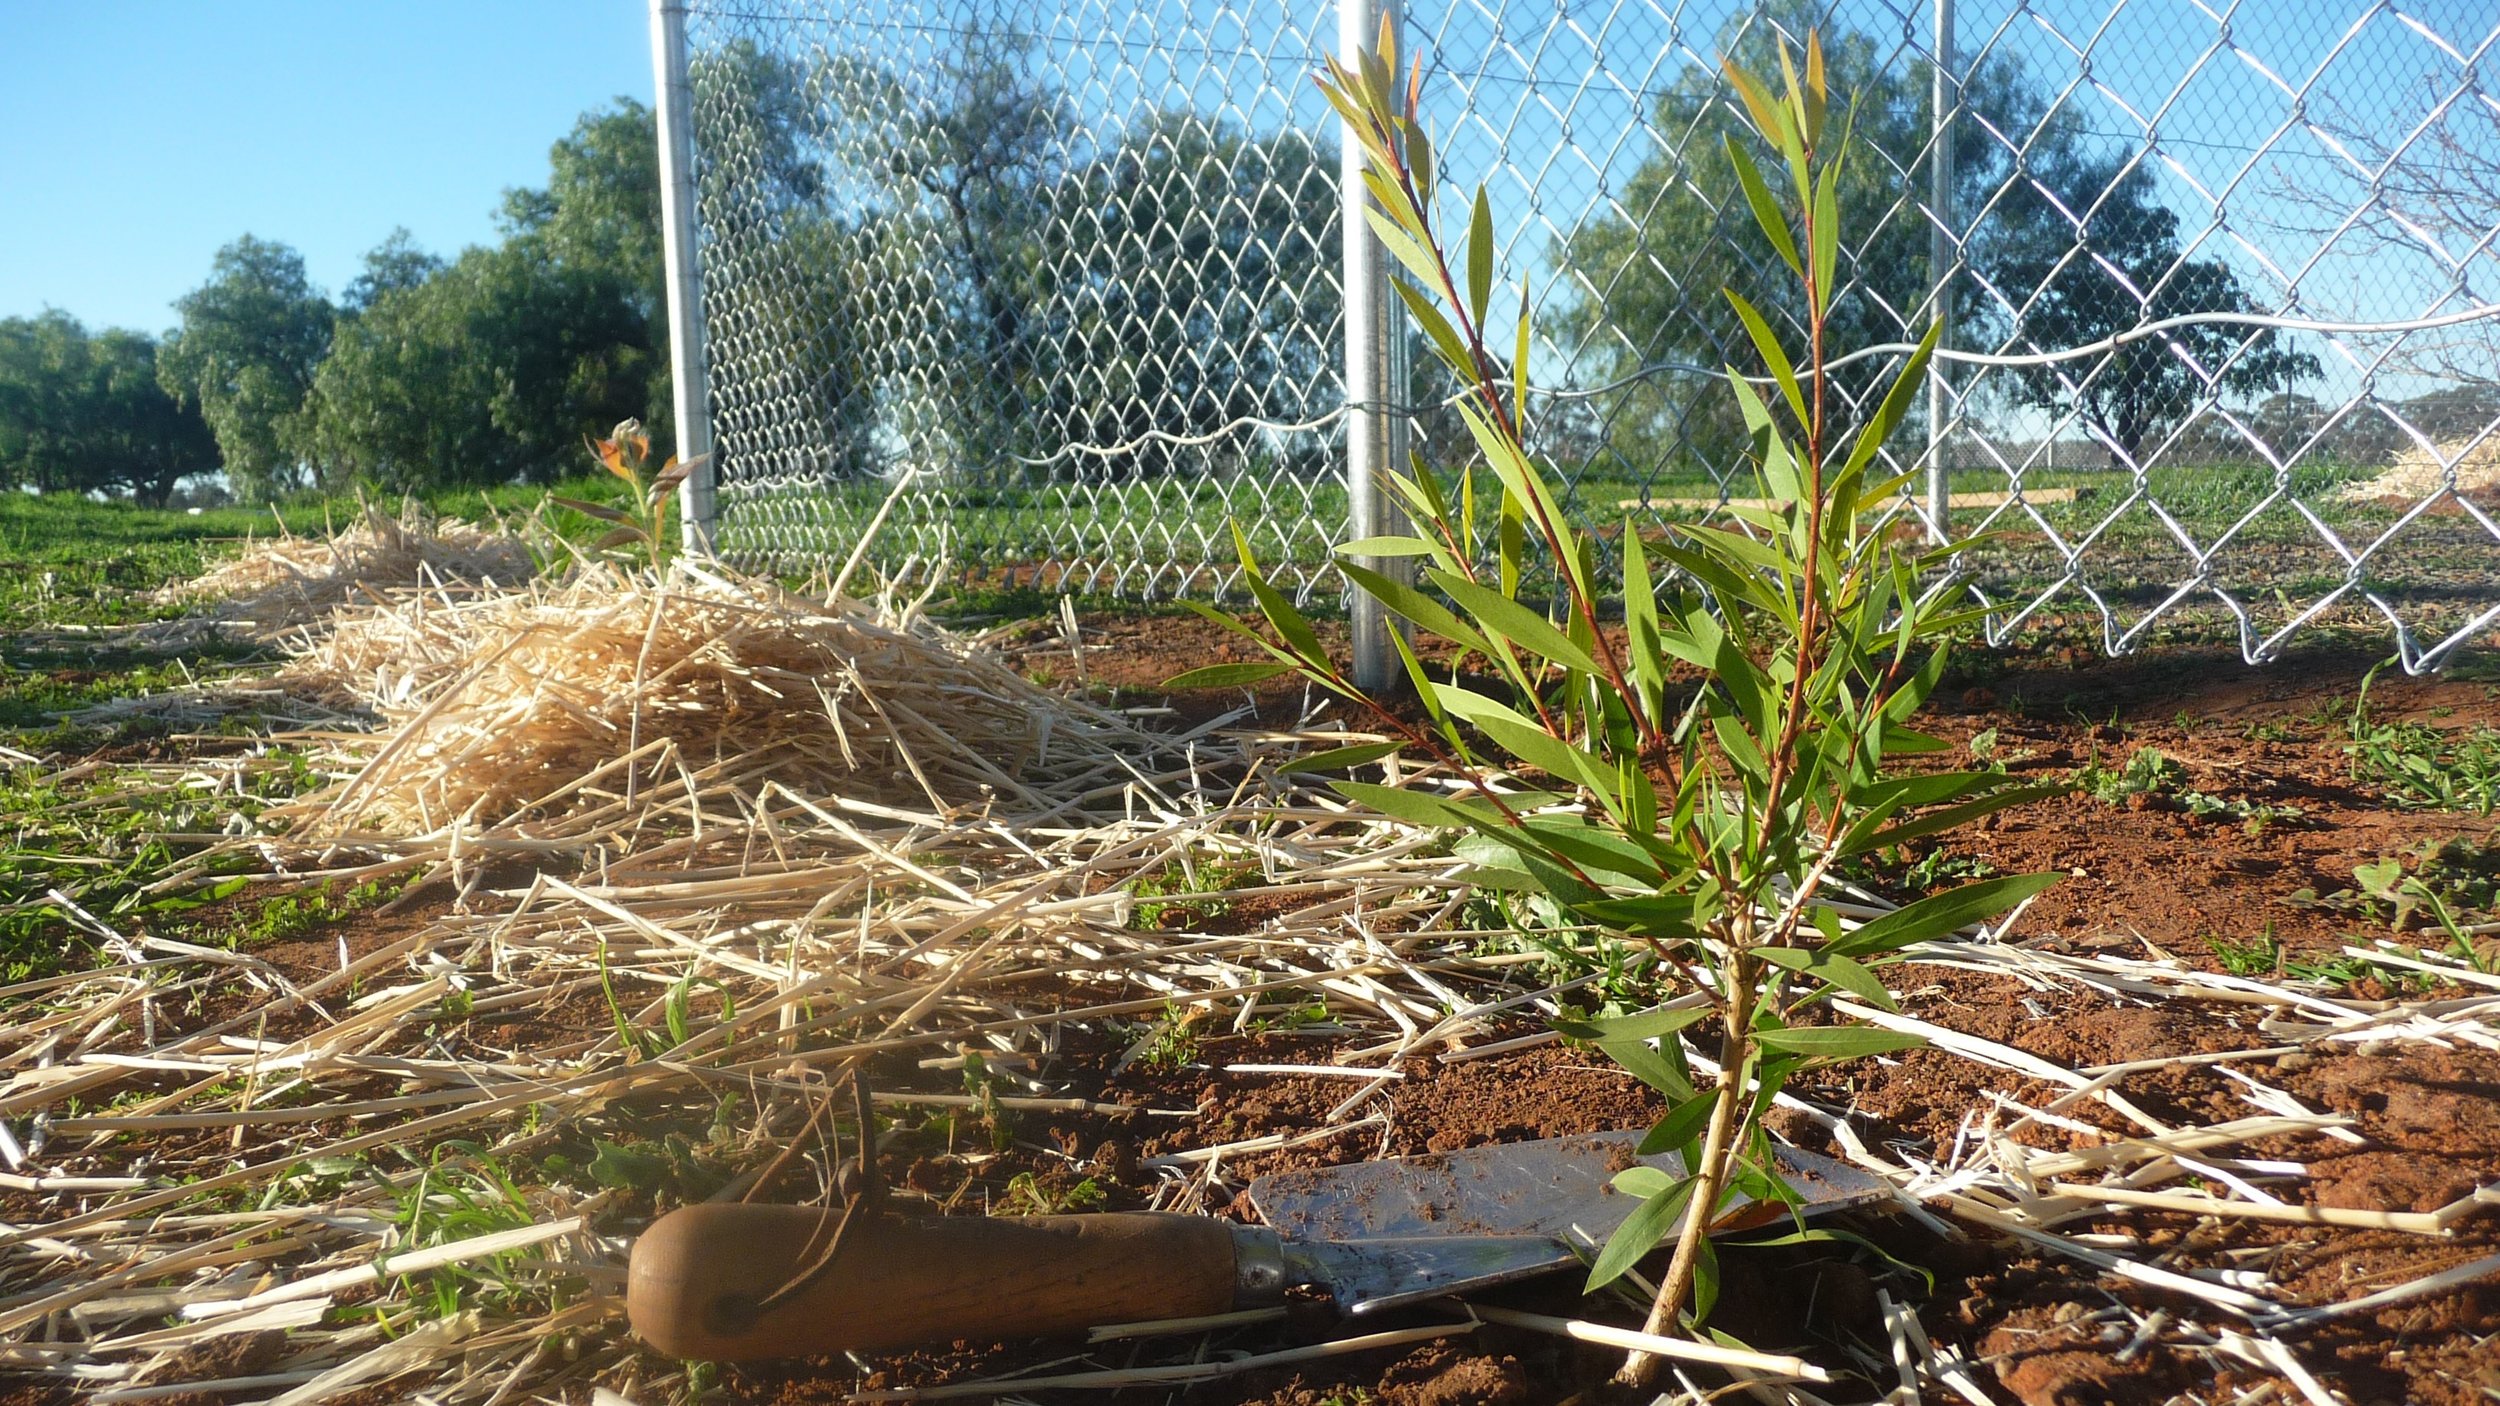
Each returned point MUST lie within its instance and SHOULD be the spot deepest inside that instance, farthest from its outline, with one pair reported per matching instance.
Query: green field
(108, 812)
(2131, 554)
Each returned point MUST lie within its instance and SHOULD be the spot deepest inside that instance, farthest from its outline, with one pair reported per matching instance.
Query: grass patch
(2418, 765)
(2163, 784)
(1187, 890)
(121, 844)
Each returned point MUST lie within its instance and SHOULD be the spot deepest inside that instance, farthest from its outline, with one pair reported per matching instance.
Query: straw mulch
(618, 700)
(280, 586)
(2417, 473)
(772, 838)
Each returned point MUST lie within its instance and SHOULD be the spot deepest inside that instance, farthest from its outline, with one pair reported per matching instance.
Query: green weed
(1026, 1196)
(2262, 957)
(2415, 764)
(2147, 773)
(123, 844)
(460, 1192)
(2151, 775)
(1172, 1041)
(1187, 889)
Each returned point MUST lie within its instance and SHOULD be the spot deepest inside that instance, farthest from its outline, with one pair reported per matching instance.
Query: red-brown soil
(2148, 880)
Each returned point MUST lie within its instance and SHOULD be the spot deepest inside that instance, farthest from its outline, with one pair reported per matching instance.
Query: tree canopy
(492, 367)
(2112, 264)
(1645, 283)
(83, 412)
(250, 340)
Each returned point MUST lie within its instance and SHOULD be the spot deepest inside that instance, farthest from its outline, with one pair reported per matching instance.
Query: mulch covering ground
(227, 1143)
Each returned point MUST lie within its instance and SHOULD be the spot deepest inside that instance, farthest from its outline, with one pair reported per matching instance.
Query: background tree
(594, 232)
(1646, 284)
(494, 367)
(81, 412)
(250, 340)
(969, 204)
(810, 277)
(2424, 189)
(1201, 289)
(1174, 278)
(491, 371)
(394, 265)
(2114, 264)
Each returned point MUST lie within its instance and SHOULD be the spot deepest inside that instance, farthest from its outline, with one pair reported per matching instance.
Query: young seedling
(626, 453)
(1685, 781)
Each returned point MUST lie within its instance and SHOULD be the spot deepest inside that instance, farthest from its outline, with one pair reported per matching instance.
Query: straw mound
(284, 584)
(2416, 473)
(598, 701)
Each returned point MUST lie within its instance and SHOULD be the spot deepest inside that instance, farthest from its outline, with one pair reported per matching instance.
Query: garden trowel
(1373, 1236)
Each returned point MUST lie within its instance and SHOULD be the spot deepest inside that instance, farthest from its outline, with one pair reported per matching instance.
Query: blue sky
(143, 135)
(146, 133)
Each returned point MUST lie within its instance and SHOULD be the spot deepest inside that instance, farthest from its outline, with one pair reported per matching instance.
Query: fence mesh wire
(2215, 277)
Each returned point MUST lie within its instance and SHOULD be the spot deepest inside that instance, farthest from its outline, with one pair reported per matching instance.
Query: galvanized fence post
(1377, 429)
(673, 108)
(1944, 95)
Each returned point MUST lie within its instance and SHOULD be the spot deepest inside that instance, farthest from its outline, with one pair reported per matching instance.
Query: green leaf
(1336, 757)
(1445, 339)
(1646, 1025)
(598, 510)
(1226, 675)
(1651, 1065)
(1941, 913)
(1641, 1232)
(1706, 1284)
(1524, 740)
(1640, 619)
(1480, 261)
(1402, 247)
(1774, 356)
(1896, 404)
(1414, 807)
(1817, 1235)
(1387, 547)
(1766, 210)
(1815, 88)
(623, 1168)
(1835, 1041)
(1659, 917)
(1830, 967)
(1681, 1124)
(1224, 618)
(1739, 746)
(1632, 856)
(1281, 615)
(1414, 605)
(1769, 117)
(1642, 1181)
(1827, 232)
(1521, 625)
(1494, 865)
(1952, 817)
(1910, 743)
(1519, 365)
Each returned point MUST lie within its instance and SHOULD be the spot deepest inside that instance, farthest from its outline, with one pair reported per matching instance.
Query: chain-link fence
(2216, 279)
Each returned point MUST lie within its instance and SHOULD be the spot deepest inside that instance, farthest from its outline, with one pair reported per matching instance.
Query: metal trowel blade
(1552, 1201)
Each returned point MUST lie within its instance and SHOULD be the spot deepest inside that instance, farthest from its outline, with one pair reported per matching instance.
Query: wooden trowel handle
(902, 1282)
